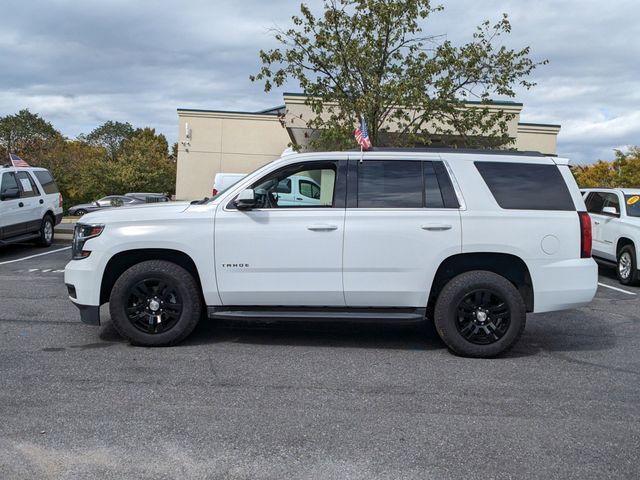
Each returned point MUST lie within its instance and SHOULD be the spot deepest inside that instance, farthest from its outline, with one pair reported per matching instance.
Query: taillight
(585, 235)
(60, 200)
(214, 192)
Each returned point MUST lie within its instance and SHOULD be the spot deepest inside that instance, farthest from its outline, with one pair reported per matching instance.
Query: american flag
(362, 137)
(16, 161)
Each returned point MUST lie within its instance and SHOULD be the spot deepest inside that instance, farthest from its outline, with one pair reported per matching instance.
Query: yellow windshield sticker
(633, 199)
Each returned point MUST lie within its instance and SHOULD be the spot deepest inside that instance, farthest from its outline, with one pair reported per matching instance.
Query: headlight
(82, 233)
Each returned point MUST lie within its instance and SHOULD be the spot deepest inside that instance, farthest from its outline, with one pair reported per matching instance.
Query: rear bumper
(564, 284)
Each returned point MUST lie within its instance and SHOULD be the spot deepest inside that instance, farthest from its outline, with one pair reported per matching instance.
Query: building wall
(223, 143)
(240, 142)
(537, 138)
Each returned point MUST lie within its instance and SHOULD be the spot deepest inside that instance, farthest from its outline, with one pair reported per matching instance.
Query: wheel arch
(511, 267)
(623, 242)
(122, 261)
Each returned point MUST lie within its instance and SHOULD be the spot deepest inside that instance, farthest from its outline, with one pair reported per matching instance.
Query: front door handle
(436, 227)
(322, 228)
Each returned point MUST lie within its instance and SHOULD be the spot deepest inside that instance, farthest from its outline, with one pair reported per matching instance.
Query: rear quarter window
(526, 186)
(46, 180)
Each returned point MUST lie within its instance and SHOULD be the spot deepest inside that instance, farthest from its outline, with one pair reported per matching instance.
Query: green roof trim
(270, 111)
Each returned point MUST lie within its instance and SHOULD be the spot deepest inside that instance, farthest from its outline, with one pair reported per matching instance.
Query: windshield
(633, 205)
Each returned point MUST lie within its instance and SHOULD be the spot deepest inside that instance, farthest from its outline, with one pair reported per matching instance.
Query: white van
(222, 181)
(30, 205)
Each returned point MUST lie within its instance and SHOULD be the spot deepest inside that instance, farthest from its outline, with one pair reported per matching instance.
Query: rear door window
(390, 184)
(46, 180)
(526, 186)
(28, 186)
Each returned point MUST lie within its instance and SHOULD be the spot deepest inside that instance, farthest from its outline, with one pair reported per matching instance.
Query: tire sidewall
(186, 287)
(632, 275)
(447, 309)
(43, 240)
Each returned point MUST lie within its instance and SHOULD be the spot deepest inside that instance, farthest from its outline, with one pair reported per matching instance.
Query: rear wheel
(80, 212)
(155, 303)
(46, 232)
(480, 314)
(627, 268)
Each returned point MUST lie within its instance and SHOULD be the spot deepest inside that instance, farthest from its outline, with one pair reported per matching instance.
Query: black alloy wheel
(154, 306)
(483, 317)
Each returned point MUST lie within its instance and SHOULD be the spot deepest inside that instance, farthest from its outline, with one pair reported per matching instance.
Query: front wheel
(627, 267)
(155, 303)
(480, 314)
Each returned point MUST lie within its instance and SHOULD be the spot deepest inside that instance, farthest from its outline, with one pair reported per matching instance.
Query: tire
(160, 285)
(627, 266)
(80, 212)
(46, 232)
(479, 314)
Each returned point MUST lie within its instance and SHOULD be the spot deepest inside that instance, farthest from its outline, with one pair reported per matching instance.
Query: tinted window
(390, 184)
(27, 185)
(596, 201)
(633, 205)
(526, 186)
(432, 193)
(9, 182)
(47, 181)
(309, 189)
(284, 186)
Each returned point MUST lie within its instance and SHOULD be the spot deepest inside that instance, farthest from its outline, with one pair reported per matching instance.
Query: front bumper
(89, 314)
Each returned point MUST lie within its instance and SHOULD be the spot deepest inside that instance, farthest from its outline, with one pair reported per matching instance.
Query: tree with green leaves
(623, 171)
(371, 59)
(28, 135)
(111, 136)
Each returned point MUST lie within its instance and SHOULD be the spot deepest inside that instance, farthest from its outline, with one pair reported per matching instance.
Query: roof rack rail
(479, 151)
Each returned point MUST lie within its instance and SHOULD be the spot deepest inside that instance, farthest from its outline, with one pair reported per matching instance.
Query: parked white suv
(30, 205)
(470, 240)
(615, 213)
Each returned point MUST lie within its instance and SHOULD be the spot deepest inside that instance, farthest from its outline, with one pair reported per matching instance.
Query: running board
(21, 238)
(318, 313)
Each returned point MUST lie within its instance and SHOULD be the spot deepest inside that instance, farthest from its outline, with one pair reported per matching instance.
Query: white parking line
(616, 289)
(34, 256)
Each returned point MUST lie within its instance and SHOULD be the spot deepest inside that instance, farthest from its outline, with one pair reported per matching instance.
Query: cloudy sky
(80, 63)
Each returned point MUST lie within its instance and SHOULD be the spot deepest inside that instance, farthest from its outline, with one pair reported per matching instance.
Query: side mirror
(246, 200)
(9, 194)
(611, 211)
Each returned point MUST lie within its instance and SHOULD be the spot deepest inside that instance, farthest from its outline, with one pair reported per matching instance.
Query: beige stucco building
(216, 141)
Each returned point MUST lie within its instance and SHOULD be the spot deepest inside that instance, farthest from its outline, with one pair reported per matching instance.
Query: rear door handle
(322, 228)
(596, 222)
(436, 227)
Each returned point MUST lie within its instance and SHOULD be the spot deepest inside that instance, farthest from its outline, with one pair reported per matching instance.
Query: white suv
(470, 240)
(30, 205)
(615, 213)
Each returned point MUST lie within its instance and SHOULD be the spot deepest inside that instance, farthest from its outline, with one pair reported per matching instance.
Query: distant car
(222, 181)
(615, 215)
(297, 191)
(30, 205)
(149, 197)
(105, 202)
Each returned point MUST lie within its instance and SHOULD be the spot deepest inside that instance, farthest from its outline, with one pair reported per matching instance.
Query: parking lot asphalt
(304, 400)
